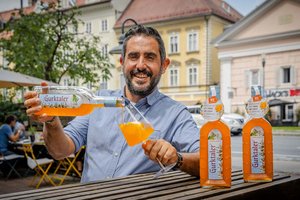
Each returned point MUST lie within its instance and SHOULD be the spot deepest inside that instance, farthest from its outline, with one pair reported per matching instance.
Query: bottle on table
(72, 101)
(257, 140)
(215, 144)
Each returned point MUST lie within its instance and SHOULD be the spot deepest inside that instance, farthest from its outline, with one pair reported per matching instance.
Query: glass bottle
(72, 101)
(257, 140)
(215, 144)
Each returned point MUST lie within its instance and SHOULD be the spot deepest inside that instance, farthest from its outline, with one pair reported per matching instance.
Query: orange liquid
(225, 181)
(268, 149)
(136, 132)
(83, 109)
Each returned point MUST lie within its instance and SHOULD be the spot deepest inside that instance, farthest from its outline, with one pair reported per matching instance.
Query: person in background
(7, 134)
(21, 128)
(107, 153)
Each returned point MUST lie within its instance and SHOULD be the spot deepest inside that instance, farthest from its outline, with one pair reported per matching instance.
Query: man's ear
(165, 65)
(121, 60)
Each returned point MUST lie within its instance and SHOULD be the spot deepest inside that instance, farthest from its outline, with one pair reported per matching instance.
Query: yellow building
(187, 28)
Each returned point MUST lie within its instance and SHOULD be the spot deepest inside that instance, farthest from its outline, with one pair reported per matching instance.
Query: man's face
(142, 66)
(13, 123)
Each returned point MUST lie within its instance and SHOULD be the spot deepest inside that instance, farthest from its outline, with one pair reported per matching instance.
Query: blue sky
(244, 6)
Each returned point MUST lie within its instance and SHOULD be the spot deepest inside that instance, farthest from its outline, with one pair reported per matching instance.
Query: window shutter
(261, 77)
(293, 75)
(247, 79)
(279, 76)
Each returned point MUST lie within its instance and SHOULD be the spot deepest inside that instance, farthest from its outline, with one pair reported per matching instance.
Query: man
(107, 154)
(6, 134)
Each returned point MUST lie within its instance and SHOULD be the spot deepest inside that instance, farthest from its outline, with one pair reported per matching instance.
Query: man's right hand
(33, 105)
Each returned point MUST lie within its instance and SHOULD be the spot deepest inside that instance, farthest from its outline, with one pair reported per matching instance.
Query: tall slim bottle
(257, 140)
(72, 101)
(215, 144)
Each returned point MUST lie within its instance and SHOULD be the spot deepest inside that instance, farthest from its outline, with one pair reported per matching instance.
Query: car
(198, 119)
(233, 120)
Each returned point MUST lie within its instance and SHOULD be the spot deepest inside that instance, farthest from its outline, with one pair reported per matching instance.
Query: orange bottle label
(215, 155)
(257, 150)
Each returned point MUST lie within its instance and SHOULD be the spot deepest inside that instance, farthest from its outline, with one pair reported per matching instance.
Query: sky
(244, 6)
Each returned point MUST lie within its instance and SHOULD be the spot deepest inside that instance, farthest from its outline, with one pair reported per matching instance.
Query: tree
(43, 45)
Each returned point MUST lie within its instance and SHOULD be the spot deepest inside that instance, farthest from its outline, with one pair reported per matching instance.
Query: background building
(187, 28)
(264, 49)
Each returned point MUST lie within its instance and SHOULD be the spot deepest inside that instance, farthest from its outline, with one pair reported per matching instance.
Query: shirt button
(116, 154)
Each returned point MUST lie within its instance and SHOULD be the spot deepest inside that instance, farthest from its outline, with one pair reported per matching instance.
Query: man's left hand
(161, 150)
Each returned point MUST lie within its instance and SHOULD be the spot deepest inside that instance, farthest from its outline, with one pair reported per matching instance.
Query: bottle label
(257, 106)
(257, 150)
(215, 155)
(60, 100)
(213, 108)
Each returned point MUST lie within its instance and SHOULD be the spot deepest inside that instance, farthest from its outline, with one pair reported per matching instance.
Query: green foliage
(9, 108)
(46, 45)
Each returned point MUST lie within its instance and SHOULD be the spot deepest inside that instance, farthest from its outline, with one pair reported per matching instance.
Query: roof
(149, 11)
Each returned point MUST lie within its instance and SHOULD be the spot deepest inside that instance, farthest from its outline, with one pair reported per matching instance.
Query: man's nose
(141, 64)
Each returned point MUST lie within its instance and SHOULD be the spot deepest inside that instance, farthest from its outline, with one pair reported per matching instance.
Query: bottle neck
(107, 101)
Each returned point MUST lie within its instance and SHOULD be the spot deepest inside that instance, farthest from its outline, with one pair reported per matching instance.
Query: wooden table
(173, 185)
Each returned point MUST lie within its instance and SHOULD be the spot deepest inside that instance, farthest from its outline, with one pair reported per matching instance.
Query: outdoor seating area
(34, 168)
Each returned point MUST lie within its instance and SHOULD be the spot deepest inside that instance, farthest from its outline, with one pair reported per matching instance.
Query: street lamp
(118, 49)
(263, 62)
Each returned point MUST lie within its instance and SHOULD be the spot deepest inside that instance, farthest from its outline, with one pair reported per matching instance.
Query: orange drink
(215, 155)
(257, 141)
(72, 101)
(136, 132)
(215, 144)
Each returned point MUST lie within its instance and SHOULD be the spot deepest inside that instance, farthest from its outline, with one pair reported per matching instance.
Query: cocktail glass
(137, 129)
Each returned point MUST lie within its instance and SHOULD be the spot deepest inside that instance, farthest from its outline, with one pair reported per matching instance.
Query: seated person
(6, 134)
(21, 127)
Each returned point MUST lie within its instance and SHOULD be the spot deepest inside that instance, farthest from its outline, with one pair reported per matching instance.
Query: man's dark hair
(9, 119)
(147, 31)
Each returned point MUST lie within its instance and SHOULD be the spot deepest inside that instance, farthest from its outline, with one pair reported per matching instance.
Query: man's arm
(15, 137)
(59, 145)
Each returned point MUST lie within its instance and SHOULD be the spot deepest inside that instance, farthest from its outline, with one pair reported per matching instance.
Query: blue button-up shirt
(107, 153)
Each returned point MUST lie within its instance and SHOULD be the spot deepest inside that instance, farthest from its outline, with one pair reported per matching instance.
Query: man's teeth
(141, 75)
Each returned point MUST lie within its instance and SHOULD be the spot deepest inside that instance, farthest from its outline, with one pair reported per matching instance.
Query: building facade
(263, 49)
(187, 28)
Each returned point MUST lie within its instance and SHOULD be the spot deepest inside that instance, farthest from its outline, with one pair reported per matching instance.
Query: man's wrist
(179, 161)
(51, 120)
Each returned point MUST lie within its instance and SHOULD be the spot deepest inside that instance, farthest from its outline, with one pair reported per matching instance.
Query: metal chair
(41, 166)
(11, 160)
(68, 164)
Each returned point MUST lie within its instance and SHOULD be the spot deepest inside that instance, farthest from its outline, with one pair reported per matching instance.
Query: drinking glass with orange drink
(137, 129)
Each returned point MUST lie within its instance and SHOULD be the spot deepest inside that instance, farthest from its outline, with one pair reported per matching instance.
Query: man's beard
(145, 90)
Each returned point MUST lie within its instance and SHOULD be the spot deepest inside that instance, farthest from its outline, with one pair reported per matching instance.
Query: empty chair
(11, 161)
(41, 166)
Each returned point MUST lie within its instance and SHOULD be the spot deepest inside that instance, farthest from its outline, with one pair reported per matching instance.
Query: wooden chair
(41, 166)
(68, 165)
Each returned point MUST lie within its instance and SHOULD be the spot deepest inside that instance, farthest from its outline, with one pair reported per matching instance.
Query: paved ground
(16, 184)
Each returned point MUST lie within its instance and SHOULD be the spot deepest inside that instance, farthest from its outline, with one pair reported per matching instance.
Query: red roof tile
(149, 11)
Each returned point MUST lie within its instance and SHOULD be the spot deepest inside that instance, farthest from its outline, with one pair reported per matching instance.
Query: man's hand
(33, 105)
(161, 150)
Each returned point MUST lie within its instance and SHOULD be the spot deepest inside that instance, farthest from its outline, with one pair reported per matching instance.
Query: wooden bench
(172, 185)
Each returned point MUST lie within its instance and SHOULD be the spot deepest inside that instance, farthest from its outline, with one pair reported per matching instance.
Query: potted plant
(31, 133)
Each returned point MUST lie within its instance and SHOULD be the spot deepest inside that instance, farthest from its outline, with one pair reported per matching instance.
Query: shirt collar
(150, 99)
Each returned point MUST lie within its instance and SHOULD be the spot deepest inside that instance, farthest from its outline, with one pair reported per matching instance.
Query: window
(289, 113)
(71, 82)
(193, 75)
(254, 77)
(174, 45)
(88, 27)
(104, 26)
(105, 50)
(286, 72)
(75, 29)
(192, 41)
(174, 76)
(103, 84)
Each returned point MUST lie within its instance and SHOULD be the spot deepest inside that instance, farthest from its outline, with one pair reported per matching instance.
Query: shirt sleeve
(187, 134)
(77, 130)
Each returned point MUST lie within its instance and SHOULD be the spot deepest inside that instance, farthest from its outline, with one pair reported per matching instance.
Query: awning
(279, 102)
(15, 79)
